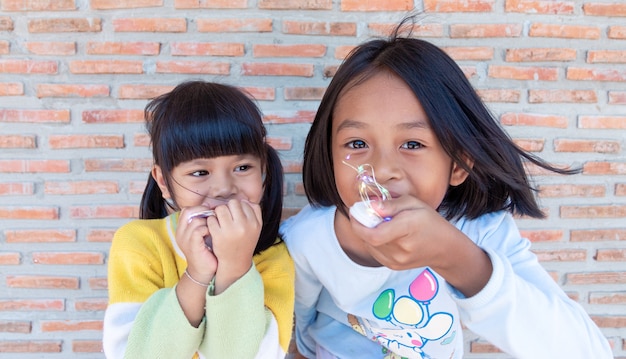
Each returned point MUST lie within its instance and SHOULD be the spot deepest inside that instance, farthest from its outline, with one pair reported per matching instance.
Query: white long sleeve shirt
(353, 311)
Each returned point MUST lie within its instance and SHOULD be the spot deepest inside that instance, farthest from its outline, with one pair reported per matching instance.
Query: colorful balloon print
(424, 287)
(383, 304)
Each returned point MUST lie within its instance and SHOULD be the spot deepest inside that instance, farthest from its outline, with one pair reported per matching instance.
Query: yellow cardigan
(144, 266)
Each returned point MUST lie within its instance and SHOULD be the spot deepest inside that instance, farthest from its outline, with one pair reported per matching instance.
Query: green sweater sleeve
(236, 319)
(161, 329)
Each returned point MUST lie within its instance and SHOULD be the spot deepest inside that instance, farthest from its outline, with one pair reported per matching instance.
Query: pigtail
(272, 201)
(152, 205)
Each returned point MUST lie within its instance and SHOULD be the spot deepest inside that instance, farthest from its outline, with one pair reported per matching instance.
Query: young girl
(203, 273)
(447, 252)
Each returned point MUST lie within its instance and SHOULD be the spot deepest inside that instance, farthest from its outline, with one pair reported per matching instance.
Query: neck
(352, 245)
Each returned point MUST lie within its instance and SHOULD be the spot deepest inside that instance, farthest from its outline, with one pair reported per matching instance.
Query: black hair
(204, 120)
(462, 123)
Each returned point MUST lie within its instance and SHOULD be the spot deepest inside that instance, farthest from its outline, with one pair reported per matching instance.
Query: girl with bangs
(203, 273)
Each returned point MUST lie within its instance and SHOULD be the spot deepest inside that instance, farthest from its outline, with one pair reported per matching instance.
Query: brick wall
(76, 74)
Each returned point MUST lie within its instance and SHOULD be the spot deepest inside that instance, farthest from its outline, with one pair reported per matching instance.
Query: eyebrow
(404, 126)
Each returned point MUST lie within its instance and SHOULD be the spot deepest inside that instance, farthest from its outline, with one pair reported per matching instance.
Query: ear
(458, 174)
(157, 174)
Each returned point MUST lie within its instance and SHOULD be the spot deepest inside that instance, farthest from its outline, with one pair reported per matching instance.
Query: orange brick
(233, 49)
(110, 211)
(113, 116)
(4, 47)
(136, 187)
(91, 304)
(143, 92)
(117, 4)
(41, 282)
(525, 119)
(571, 190)
(277, 69)
(458, 5)
(296, 5)
(319, 28)
(620, 189)
(419, 30)
(49, 305)
(304, 93)
(608, 211)
(65, 90)
(598, 235)
(543, 235)
(562, 96)
(101, 235)
(118, 165)
(610, 255)
(279, 50)
(469, 53)
(87, 346)
(34, 166)
(596, 278)
(261, 93)
(64, 25)
(51, 48)
(98, 283)
(376, 5)
(150, 25)
(40, 236)
(604, 168)
(18, 141)
(298, 117)
(36, 5)
(10, 258)
(609, 321)
(211, 4)
(80, 187)
(523, 73)
(193, 67)
(106, 67)
(35, 116)
(11, 89)
(292, 166)
(85, 141)
(602, 122)
(540, 7)
(617, 32)
(23, 327)
(604, 9)
(499, 95)
(28, 67)
(531, 145)
(6, 23)
(17, 189)
(70, 325)
(595, 74)
(141, 140)
(617, 98)
(30, 346)
(68, 258)
(597, 146)
(607, 298)
(485, 30)
(606, 56)
(123, 48)
(564, 31)
(234, 25)
(563, 255)
(280, 143)
(540, 55)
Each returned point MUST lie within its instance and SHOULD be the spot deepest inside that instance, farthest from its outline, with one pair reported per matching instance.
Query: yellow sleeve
(277, 270)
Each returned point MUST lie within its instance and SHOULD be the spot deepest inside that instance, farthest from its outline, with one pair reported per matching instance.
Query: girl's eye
(412, 145)
(242, 168)
(357, 144)
(199, 173)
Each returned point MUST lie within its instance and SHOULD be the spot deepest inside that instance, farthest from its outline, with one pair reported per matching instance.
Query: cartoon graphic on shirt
(414, 325)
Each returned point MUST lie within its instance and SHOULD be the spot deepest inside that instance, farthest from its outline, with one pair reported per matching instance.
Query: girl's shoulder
(142, 233)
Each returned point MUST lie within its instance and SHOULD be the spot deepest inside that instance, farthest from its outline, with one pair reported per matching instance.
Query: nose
(386, 166)
(222, 186)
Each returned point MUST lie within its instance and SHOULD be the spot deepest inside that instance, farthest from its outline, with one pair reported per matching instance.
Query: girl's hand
(418, 236)
(235, 231)
(201, 262)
